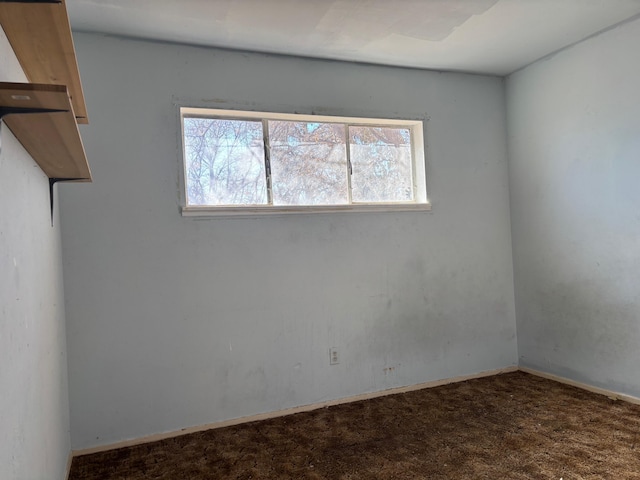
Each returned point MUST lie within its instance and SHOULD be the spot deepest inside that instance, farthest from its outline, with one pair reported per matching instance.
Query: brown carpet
(511, 426)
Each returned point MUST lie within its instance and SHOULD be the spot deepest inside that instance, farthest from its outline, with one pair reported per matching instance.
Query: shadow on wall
(582, 332)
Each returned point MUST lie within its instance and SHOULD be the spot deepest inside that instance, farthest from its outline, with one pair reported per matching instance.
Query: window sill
(206, 211)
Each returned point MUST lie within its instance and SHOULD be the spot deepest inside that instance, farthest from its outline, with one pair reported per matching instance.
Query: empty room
(342, 239)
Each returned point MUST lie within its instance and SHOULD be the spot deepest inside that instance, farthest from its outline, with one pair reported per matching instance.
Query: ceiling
(481, 36)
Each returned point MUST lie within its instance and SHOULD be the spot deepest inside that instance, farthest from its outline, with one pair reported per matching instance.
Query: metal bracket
(30, 1)
(52, 182)
(25, 110)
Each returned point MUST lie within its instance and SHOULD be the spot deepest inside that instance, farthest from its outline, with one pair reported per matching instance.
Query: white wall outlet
(334, 358)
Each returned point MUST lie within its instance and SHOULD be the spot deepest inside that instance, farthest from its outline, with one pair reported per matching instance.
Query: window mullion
(349, 165)
(414, 178)
(267, 159)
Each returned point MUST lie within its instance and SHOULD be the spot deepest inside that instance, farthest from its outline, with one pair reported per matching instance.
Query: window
(255, 162)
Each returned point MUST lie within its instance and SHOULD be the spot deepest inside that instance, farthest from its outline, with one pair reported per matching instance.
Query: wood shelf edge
(40, 35)
(41, 117)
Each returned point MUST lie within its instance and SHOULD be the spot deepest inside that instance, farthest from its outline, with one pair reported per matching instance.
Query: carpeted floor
(510, 426)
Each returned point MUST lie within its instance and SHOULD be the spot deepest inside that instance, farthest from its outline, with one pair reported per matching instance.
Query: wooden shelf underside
(40, 36)
(52, 138)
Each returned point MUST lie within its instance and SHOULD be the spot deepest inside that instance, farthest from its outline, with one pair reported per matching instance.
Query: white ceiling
(483, 36)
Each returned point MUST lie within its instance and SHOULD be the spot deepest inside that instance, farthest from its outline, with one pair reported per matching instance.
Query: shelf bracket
(30, 1)
(52, 182)
(25, 110)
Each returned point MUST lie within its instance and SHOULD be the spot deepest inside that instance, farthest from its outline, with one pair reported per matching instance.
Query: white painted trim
(209, 211)
(420, 201)
(206, 112)
(290, 411)
(584, 386)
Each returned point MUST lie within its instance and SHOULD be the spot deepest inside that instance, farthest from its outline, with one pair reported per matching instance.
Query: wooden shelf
(40, 35)
(42, 119)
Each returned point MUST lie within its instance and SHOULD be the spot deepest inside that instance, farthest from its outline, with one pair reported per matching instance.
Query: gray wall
(574, 146)
(34, 407)
(175, 322)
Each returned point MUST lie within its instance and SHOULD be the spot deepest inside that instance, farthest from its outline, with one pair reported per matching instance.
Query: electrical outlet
(334, 359)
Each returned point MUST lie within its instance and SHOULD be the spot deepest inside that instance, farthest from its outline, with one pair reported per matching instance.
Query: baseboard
(584, 386)
(290, 411)
(69, 460)
(365, 396)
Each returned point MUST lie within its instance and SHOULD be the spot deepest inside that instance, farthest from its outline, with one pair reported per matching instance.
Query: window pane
(224, 162)
(381, 162)
(308, 163)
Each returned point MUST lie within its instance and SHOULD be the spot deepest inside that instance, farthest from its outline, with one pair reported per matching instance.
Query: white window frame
(416, 127)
